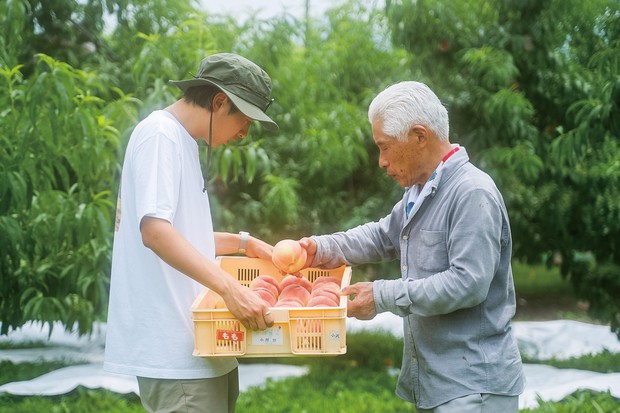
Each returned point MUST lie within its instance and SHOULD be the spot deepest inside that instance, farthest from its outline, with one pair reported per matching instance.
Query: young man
(165, 246)
(451, 233)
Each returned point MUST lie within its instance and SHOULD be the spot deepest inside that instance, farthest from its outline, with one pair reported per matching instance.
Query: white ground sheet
(543, 340)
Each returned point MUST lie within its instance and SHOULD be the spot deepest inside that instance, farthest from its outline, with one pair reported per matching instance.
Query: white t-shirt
(149, 329)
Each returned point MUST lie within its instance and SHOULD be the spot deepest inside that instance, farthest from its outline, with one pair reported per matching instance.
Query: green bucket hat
(246, 85)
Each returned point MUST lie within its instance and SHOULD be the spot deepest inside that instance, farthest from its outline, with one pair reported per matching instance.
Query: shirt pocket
(432, 251)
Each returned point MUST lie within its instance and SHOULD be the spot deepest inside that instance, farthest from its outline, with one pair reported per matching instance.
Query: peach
(289, 256)
(294, 280)
(322, 292)
(288, 303)
(295, 292)
(266, 295)
(321, 301)
(326, 279)
(295, 289)
(328, 288)
(326, 285)
(261, 283)
(267, 278)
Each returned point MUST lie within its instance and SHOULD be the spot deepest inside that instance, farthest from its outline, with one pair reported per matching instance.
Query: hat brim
(248, 109)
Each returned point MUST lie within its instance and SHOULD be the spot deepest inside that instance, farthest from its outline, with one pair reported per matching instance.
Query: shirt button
(405, 237)
(404, 268)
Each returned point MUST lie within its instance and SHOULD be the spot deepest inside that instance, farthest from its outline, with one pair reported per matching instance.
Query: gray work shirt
(456, 292)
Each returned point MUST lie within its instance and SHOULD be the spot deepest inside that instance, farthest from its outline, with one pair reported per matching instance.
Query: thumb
(309, 245)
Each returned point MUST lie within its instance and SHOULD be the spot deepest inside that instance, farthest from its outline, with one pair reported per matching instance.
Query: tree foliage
(322, 163)
(58, 160)
(61, 131)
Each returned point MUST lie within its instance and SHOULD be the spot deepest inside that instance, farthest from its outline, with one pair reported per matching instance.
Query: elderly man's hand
(362, 304)
(310, 246)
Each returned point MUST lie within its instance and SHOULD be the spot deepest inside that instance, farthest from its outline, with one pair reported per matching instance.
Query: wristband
(243, 241)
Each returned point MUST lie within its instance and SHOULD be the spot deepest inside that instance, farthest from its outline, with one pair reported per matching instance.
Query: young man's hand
(258, 248)
(249, 308)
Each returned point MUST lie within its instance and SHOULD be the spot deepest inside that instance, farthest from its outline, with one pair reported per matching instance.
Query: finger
(254, 322)
(268, 317)
(265, 320)
(349, 290)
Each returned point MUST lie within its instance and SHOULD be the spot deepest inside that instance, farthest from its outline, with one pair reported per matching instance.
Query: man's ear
(219, 100)
(419, 133)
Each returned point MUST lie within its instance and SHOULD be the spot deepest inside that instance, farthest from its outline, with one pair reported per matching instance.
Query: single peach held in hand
(289, 256)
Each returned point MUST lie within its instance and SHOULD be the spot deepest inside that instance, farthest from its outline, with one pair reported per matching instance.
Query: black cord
(204, 189)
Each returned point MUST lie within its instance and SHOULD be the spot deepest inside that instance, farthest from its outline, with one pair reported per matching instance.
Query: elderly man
(451, 233)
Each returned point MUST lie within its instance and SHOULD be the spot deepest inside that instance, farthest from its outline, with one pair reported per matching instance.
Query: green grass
(542, 294)
(579, 402)
(327, 390)
(604, 362)
(539, 280)
(11, 372)
(22, 345)
(81, 400)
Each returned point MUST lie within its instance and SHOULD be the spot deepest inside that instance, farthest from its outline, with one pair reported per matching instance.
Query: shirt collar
(415, 192)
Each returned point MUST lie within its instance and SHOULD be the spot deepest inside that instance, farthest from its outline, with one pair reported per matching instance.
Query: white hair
(409, 103)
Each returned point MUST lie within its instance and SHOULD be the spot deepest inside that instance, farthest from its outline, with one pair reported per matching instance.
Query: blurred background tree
(532, 88)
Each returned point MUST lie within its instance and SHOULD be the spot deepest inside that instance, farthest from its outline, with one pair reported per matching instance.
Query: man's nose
(244, 132)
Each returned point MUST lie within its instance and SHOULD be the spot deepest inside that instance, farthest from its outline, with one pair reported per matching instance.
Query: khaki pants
(213, 395)
(478, 403)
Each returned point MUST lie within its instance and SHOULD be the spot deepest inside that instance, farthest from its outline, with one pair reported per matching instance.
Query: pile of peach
(295, 291)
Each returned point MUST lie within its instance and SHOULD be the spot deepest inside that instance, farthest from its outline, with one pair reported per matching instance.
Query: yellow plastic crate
(306, 331)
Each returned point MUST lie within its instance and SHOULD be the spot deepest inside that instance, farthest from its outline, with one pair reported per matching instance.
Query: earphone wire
(204, 189)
